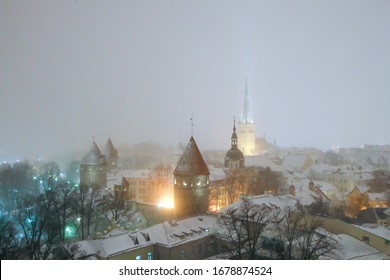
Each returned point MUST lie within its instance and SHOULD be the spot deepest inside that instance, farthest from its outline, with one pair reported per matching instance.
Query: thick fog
(317, 71)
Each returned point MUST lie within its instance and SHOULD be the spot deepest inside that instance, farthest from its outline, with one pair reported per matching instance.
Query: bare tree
(240, 182)
(303, 236)
(117, 204)
(40, 231)
(9, 245)
(160, 176)
(65, 196)
(88, 204)
(241, 228)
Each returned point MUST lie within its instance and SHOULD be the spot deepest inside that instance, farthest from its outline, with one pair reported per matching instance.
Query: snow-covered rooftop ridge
(380, 231)
(295, 160)
(262, 161)
(217, 174)
(362, 189)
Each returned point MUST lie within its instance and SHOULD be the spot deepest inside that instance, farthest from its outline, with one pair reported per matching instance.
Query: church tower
(246, 129)
(191, 183)
(93, 169)
(234, 158)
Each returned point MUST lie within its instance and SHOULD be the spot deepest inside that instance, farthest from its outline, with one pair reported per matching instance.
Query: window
(366, 239)
(183, 254)
(138, 257)
(150, 256)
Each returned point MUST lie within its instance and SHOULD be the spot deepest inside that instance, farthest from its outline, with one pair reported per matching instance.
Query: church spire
(234, 134)
(247, 117)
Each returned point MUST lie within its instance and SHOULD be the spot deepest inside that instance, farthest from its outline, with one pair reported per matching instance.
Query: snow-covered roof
(191, 162)
(380, 231)
(93, 157)
(326, 187)
(363, 189)
(217, 174)
(295, 161)
(183, 230)
(168, 233)
(262, 161)
(354, 249)
(376, 196)
(304, 197)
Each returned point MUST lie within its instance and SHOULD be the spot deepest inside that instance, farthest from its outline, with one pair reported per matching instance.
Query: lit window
(138, 257)
(184, 183)
(150, 256)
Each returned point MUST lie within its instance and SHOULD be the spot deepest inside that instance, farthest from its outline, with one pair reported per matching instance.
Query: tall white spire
(247, 116)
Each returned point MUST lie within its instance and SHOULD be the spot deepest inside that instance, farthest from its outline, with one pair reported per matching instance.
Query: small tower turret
(234, 158)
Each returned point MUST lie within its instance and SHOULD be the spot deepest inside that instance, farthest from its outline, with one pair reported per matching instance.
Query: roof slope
(191, 162)
(93, 157)
(110, 150)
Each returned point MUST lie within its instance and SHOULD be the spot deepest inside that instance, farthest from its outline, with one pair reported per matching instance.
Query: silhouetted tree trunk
(303, 236)
(89, 203)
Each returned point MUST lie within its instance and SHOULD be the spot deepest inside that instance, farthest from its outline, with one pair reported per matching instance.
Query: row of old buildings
(182, 209)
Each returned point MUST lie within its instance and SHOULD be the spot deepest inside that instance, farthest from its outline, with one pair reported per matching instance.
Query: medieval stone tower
(191, 183)
(93, 168)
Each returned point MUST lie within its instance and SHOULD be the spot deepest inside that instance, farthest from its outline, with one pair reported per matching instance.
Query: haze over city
(136, 71)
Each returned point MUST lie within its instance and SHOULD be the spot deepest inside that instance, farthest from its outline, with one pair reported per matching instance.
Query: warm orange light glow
(166, 202)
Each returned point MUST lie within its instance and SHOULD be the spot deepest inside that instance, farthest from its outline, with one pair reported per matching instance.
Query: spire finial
(192, 125)
(234, 124)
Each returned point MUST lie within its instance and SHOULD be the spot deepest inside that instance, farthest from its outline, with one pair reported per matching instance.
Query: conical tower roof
(93, 157)
(191, 162)
(110, 151)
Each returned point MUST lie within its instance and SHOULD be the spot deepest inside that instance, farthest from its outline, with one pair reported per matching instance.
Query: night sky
(317, 71)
